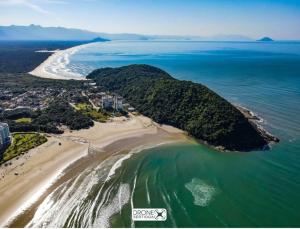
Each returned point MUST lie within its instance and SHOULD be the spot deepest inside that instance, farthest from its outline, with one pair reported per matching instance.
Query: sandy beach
(58, 60)
(23, 182)
(28, 178)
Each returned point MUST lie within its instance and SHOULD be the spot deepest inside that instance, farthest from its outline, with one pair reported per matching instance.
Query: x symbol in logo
(160, 214)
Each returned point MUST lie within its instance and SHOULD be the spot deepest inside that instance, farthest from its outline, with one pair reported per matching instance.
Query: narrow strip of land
(55, 61)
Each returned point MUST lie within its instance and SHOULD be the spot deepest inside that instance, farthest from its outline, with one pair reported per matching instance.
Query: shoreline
(256, 121)
(36, 170)
(41, 71)
(61, 55)
(47, 164)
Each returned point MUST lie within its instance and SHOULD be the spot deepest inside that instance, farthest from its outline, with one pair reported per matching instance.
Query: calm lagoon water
(201, 187)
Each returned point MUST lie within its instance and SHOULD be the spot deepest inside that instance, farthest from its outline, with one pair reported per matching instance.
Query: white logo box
(149, 214)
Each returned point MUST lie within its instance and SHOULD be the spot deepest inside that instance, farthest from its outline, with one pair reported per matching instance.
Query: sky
(279, 19)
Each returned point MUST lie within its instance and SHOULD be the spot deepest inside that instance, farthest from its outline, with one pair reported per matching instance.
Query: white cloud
(56, 2)
(32, 4)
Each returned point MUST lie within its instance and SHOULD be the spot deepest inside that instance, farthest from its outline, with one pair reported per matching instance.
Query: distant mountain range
(36, 32)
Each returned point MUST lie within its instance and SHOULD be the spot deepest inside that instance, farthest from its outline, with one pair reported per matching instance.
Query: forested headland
(183, 104)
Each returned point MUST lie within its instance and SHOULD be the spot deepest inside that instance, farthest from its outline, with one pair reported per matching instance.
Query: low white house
(131, 109)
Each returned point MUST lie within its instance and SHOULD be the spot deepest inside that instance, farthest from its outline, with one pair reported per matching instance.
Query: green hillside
(183, 104)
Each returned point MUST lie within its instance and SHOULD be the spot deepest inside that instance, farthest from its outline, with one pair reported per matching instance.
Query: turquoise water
(201, 187)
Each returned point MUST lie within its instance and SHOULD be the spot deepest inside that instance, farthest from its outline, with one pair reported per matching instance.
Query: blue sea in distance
(199, 186)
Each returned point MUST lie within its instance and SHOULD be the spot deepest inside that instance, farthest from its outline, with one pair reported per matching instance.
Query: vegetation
(183, 104)
(23, 82)
(58, 113)
(16, 59)
(83, 106)
(17, 114)
(21, 56)
(22, 143)
(23, 120)
(88, 110)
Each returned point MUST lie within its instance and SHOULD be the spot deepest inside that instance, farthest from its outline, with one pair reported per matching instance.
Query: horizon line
(251, 39)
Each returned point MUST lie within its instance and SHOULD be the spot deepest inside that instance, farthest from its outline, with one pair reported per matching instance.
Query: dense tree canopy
(58, 113)
(183, 104)
(21, 56)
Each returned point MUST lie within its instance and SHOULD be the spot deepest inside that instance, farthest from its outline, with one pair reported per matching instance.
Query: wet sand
(47, 166)
(58, 57)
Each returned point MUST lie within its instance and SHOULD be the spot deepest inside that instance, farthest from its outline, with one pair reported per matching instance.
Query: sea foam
(60, 64)
(88, 200)
(202, 192)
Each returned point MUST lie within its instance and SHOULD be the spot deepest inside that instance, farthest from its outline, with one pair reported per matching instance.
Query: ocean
(199, 186)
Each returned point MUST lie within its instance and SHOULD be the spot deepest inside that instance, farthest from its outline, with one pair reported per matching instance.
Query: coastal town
(18, 111)
(40, 98)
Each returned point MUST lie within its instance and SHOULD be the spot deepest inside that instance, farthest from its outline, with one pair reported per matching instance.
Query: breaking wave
(60, 64)
(91, 198)
(88, 200)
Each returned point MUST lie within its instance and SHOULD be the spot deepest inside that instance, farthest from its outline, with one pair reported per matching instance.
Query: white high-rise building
(118, 103)
(5, 137)
(107, 102)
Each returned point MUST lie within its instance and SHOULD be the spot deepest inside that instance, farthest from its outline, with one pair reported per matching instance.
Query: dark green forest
(58, 113)
(21, 56)
(183, 104)
(19, 83)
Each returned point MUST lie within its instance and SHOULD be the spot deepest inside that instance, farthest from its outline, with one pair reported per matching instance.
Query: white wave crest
(88, 200)
(116, 204)
(58, 65)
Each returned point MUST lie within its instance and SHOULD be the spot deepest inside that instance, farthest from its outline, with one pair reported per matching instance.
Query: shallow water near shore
(199, 186)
